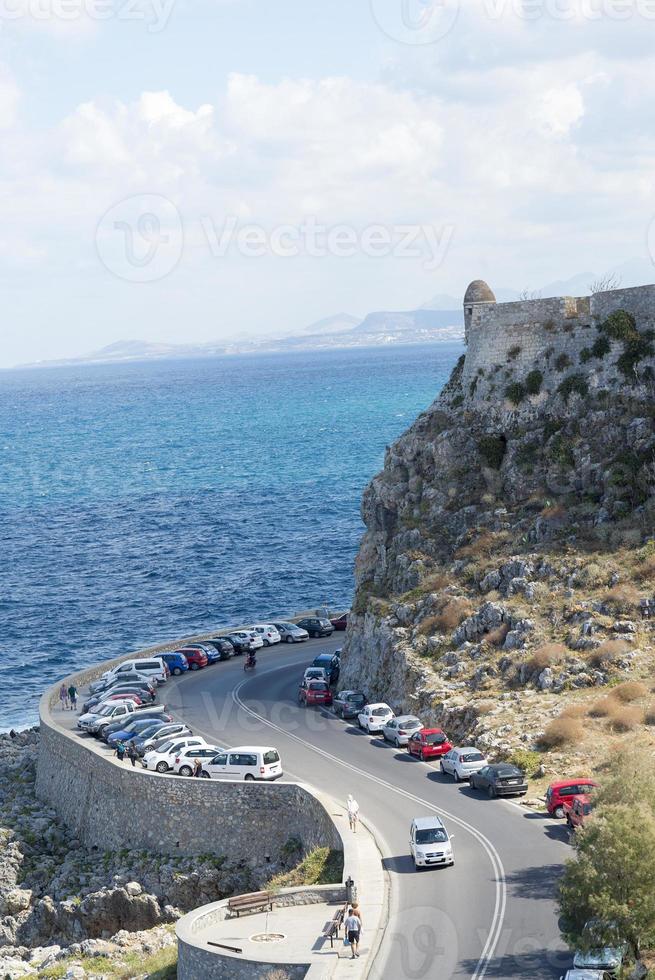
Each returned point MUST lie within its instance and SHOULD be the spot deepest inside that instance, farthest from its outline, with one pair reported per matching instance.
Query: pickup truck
(577, 809)
(112, 711)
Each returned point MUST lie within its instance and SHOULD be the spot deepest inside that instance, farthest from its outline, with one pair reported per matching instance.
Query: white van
(152, 667)
(430, 843)
(244, 762)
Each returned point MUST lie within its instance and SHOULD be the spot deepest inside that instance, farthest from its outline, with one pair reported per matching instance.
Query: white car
(184, 760)
(245, 762)
(400, 730)
(585, 975)
(460, 763)
(245, 635)
(268, 633)
(161, 759)
(316, 674)
(430, 843)
(108, 710)
(374, 717)
(290, 633)
(153, 667)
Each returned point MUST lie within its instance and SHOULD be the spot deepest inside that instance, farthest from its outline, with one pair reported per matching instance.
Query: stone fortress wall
(111, 806)
(515, 338)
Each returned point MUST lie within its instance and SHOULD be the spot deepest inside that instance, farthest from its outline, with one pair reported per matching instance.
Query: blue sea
(144, 501)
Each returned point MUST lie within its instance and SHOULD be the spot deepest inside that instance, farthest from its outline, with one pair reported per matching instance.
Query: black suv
(330, 664)
(316, 626)
(224, 647)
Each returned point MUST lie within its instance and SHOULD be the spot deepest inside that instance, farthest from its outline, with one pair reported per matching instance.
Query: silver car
(399, 730)
(460, 763)
(290, 633)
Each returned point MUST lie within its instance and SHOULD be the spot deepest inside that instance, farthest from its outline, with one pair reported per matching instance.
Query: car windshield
(472, 757)
(166, 746)
(409, 723)
(434, 835)
(380, 711)
(356, 698)
(271, 757)
(435, 738)
(318, 686)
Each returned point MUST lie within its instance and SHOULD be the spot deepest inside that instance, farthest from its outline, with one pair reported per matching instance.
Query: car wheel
(289, 639)
(162, 767)
(177, 671)
(396, 742)
(266, 643)
(491, 792)
(472, 783)
(185, 771)
(248, 777)
(558, 812)
(455, 775)
(194, 666)
(204, 775)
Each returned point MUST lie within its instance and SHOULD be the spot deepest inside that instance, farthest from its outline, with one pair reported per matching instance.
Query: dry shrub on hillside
(608, 653)
(435, 582)
(553, 511)
(622, 599)
(454, 613)
(429, 626)
(546, 656)
(592, 575)
(481, 546)
(645, 570)
(496, 638)
(649, 715)
(561, 732)
(484, 707)
(629, 691)
(575, 711)
(602, 708)
(625, 718)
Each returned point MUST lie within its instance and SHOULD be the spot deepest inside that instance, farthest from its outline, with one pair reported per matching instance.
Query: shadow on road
(402, 864)
(537, 963)
(538, 882)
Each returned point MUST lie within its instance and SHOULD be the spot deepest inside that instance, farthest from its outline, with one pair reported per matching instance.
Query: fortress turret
(478, 293)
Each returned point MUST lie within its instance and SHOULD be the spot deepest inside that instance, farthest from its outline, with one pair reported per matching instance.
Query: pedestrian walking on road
(72, 696)
(63, 697)
(132, 753)
(120, 751)
(353, 928)
(353, 813)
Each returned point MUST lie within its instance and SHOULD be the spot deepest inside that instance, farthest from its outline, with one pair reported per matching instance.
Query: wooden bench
(331, 928)
(250, 902)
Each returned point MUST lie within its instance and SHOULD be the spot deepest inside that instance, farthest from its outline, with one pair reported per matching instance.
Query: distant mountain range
(438, 320)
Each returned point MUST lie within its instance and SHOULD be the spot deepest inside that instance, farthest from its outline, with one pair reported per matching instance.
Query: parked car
(105, 712)
(500, 779)
(399, 730)
(290, 633)
(577, 811)
(428, 743)
(373, 717)
(211, 651)
(314, 692)
(245, 762)
(129, 677)
(242, 642)
(184, 761)
(224, 647)
(148, 732)
(149, 667)
(268, 632)
(330, 664)
(316, 626)
(557, 793)
(430, 843)
(315, 674)
(137, 723)
(340, 622)
(174, 729)
(195, 658)
(256, 642)
(586, 975)
(461, 763)
(162, 759)
(603, 948)
(138, 695)
(176, 662)
(348, 704)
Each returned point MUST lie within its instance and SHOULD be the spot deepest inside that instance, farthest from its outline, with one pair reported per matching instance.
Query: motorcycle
(250, 662)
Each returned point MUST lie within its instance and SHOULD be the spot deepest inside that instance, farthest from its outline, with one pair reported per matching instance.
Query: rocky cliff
(508, 554)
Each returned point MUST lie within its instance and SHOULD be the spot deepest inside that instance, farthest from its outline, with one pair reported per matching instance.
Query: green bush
(526, 759)
(534, 381)
(620, 325)
(601, 346)
(513, 352)
(551, 427)
(561, 451)
(516, 392)
(493, 449)
(457, 401)
(562, 361)
(634, 351)
(573, 384)
(586, 354)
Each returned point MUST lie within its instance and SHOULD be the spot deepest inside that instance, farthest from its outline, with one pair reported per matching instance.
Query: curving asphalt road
(491, 915)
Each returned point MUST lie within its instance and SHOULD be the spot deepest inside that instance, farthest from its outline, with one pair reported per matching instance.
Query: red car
(314, 692)
(341, 622)
(577, 810)
(559, 793)
(428, 743)
(124, 697)
(195, 658)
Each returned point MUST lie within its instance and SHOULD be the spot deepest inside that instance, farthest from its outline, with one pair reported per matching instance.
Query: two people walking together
(68, 697)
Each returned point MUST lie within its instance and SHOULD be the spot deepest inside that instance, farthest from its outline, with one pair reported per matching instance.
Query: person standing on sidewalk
(120, 751)
(353, 813)
(132, 753)
(63, 697)
(72, 696)
(353, 928)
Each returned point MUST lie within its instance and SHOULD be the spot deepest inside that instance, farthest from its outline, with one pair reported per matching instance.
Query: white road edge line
(496, 863)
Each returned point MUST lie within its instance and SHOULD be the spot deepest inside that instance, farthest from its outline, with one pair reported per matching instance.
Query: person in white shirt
(353, 926)
(353, 813)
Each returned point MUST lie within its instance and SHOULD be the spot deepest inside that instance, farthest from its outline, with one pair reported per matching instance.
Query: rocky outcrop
(507, 539)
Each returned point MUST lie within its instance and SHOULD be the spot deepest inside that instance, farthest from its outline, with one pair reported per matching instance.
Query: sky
(205, 170)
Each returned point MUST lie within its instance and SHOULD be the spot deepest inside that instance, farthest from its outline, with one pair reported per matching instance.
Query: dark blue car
(177, 663)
